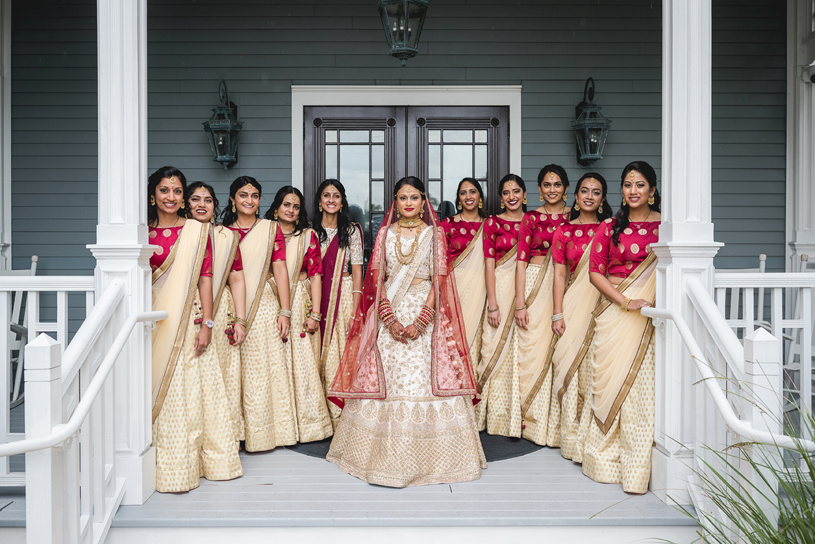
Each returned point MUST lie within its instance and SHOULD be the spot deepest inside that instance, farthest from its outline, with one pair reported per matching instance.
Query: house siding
(549, 47)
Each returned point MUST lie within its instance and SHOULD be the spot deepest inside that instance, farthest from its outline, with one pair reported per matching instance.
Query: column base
(139, 472)
(669, 473)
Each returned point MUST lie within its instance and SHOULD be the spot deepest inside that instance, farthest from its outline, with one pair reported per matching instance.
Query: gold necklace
(409, 223)
(401, 257)
(247, 228)
(171, 226)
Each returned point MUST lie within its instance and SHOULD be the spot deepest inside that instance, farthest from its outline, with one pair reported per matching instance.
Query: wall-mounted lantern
(403, 21)
(223, 129)
(590, 128)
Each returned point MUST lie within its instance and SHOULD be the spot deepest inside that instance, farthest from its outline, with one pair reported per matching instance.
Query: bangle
(239, 321)
(386, 313)
(314, 316)
(285, 313)
(624, 304)
(524, 307)
(557, 317)
(355, 291)
(491, 311)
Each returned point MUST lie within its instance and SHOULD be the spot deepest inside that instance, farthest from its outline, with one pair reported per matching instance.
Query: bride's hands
(397, 331)
(411, 332)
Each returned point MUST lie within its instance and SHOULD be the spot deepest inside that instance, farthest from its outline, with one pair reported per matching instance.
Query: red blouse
(165, 240)
(537, 231)
(279, 253)
(621, 259)
(570, 243)
(500, 236)
(312, 260)
(459, 234)
(237, 264)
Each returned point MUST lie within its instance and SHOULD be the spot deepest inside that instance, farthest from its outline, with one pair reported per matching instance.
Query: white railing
(37, 302)
(72, 486)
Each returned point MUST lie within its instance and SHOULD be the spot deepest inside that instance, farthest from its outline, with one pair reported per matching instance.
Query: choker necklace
(171, 226)
(245, 229)
(413, 222)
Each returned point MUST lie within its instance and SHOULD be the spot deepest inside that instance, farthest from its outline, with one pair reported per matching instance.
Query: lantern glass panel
(594, 140)
(416, 13)
(580, 137)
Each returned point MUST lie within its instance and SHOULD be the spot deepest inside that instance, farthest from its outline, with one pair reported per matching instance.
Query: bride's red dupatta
(360, 374)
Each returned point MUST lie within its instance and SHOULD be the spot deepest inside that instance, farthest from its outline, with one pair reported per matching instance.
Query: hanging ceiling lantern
(403, 21)
(590, 128)
(223, 129)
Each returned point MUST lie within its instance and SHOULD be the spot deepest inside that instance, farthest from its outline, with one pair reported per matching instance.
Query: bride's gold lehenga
(408, 418)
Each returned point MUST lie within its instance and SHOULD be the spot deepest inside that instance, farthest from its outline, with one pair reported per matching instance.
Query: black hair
(506, 179)
(414, 182)
(153, 181)
(621, 217)
(607, 211)
(344, 224)
(228, 217)
(302, 219)
(555, 169)
(201, 185)
(475, 182)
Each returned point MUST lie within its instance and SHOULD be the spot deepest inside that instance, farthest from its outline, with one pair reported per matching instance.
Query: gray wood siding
(262, 48)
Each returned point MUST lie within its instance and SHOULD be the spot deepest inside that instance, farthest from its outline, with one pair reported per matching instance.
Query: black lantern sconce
(403, 21)
(590, 128)
(223, 129)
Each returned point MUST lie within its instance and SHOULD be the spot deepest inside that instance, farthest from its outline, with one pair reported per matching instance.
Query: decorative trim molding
(402, 95)
(5, 134)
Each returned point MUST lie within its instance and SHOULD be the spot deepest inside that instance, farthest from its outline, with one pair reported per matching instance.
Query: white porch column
(686, 245)
(800, 133)
(121, 248)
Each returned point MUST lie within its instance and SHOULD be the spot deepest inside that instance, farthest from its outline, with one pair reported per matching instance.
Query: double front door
(368, 149)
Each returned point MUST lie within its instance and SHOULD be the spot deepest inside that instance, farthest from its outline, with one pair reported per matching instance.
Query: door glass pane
(455, 136)
(378, 196)
(377, 162)
(458, 163)
(378, 136)
(330, 136)
(434, 136)
(435, 194)
(434, 162)
(481, 136)
(354, 136)
(330, 162)
(355, 176)
(480, 170)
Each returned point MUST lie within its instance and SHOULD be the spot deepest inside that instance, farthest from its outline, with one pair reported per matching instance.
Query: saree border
(168, 262)
(339, 265)
(547, 365)
(470, 246)
(626, 283)
(231, 259)
(250, 315)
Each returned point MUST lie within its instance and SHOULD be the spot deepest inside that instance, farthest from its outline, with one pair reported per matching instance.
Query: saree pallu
(620, 433)
(472, 292)
(268, 395)
(192, 432)
(571, 362)
(498, 373)
(313, 419)
(536, 345)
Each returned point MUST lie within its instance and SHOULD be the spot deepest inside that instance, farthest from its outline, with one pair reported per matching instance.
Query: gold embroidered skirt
(193, 433)
(313, 420)
(230, 359)
(574, 411)
(411, 438)
(336, 347)
(269, 413)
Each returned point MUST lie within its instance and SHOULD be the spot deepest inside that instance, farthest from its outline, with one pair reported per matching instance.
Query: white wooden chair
(18, 333)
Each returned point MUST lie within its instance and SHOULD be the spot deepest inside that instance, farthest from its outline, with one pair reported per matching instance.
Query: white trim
(402, 95)
(5, 135)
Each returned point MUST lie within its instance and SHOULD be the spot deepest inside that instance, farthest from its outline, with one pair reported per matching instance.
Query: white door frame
(402, 95)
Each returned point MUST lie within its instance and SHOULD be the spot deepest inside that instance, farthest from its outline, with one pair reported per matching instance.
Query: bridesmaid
(498, 372)
(533, 301)
(619, 434)
(464, 233)
(571, 361)
(192, 432)
(305, 270)
(341, 250)
(228, 296)
(268, 399)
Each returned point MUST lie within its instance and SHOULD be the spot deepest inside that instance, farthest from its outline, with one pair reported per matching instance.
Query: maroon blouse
(621, 259)
(570, 243)
(165, 239)
(459, 234)
(500, 236)
(537, 232)
(312, 260)
(279, 253)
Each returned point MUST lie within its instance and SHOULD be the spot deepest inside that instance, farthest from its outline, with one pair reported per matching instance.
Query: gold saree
(192, 432)
(268, 396)
(620, 433)
(313, 419)
(472, 292)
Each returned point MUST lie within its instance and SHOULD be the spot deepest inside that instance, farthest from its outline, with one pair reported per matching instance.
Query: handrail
(724, 279)
(743, 428)
(63, 432)
(47, 283)
(715, 322)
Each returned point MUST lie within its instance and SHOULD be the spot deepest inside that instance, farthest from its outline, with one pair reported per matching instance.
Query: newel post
(43, 476)
(761, 405)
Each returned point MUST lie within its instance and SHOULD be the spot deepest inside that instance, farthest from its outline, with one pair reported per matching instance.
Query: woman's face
(289, 210)
(468, 196)
(331, 200)
(552, 188)
(202, 207)
(247, 200)
(409, 202)
(636, 190)
(169, 195)
(590, 195)
(512, 195)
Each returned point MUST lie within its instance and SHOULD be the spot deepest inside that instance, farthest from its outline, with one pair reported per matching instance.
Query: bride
(406, 381)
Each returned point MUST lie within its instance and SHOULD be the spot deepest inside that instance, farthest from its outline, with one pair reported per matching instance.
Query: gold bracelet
(491, 311)
(624, 305)
(524, 307)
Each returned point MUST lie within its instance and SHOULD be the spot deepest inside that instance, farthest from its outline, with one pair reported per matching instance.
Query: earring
(564, 197)
(624, 202)
(480, 204)
(340, 207)
(233, 208)
(541, 195)
(257, 211)
(524, 200)
(275, 215)
(152, 200)
(600, 209)
(320, 207)
(212, 219)
(651, 199)
(182, 204)
(576, 206)
(459, 206)
(502, 205)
